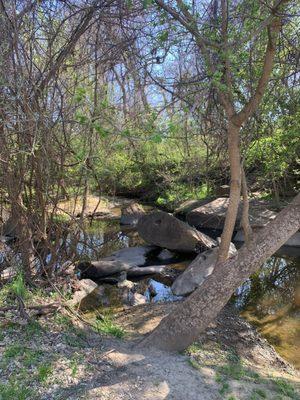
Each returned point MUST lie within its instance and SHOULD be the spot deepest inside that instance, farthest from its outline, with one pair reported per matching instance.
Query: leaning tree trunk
(235, 190)
(182, 327)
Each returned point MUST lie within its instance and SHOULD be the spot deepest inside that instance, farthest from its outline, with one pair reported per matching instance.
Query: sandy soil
(230, 361)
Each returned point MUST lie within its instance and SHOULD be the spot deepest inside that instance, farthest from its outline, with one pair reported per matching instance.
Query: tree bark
(181, 328)
(235, 190)
(245, 215)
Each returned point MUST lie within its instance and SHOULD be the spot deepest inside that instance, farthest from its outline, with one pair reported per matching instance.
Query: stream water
(270, 299)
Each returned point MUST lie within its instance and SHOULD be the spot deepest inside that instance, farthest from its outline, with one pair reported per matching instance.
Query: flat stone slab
(102, 268)
(212, 215)
(188, 206)
(149, 270)
(196, 273)
(135, 256)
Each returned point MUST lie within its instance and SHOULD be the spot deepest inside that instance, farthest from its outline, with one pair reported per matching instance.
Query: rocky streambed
(133, 258)
(148, 274)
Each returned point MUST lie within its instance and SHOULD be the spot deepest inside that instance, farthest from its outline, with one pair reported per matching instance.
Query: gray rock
(102, 268)
(135, 256)
(212, 215)
(188, 206)
(137, 299)
(164, 230)
(198, 271)
(293, 241)
(131, 214)
(140, 271)
(223, 191)
(126, 284)
(166, 255)
(87, 297)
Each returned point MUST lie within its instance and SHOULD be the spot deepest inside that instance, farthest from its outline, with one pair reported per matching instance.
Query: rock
(135, 256)
(102, 268)
(131, 214)
(163, 230)
(188, 206)
(7, 274)
(137, 299)
(9, 228)
(149, 270)
(293, 241)
(166, 255)
(223, 191)
(87, 297)
(126, 284)
(198, 271)
(212, 215)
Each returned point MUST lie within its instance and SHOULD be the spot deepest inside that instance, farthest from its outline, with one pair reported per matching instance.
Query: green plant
(224, 388)
(25, 355)
(13, 351)
(74, 365)
(284, 388)
(194, 363)
(261, 393)
(63, 320)
(43, 372)
(193, 348)
(18, 286)
(107, 326)
(258, 394)
(33, 328)
(15, 391)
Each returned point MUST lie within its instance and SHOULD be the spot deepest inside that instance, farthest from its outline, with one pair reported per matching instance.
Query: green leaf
(82, 119)
(163, 36)
(147, 3)
(156, 138)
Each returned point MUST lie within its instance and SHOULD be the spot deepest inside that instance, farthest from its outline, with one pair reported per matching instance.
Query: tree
(217, 52)
(179, 329)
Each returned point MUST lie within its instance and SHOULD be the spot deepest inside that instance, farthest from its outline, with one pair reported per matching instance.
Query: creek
(270, 299)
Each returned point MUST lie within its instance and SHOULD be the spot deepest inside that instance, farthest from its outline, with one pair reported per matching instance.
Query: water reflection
(270, 299)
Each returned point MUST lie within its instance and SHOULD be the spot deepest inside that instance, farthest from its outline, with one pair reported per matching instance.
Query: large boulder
(212, 215)
(131, 214)
(162, 229)
(198, 271)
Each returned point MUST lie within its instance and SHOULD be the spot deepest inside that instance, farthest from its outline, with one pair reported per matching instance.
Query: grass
(18, 287)
(193, 348)
(284, 388)
(258, 394)
(107, 326)
(33, 328)
(27, 356)
(43, 372)
(74, 364)
(194, 363)
(15, 391)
